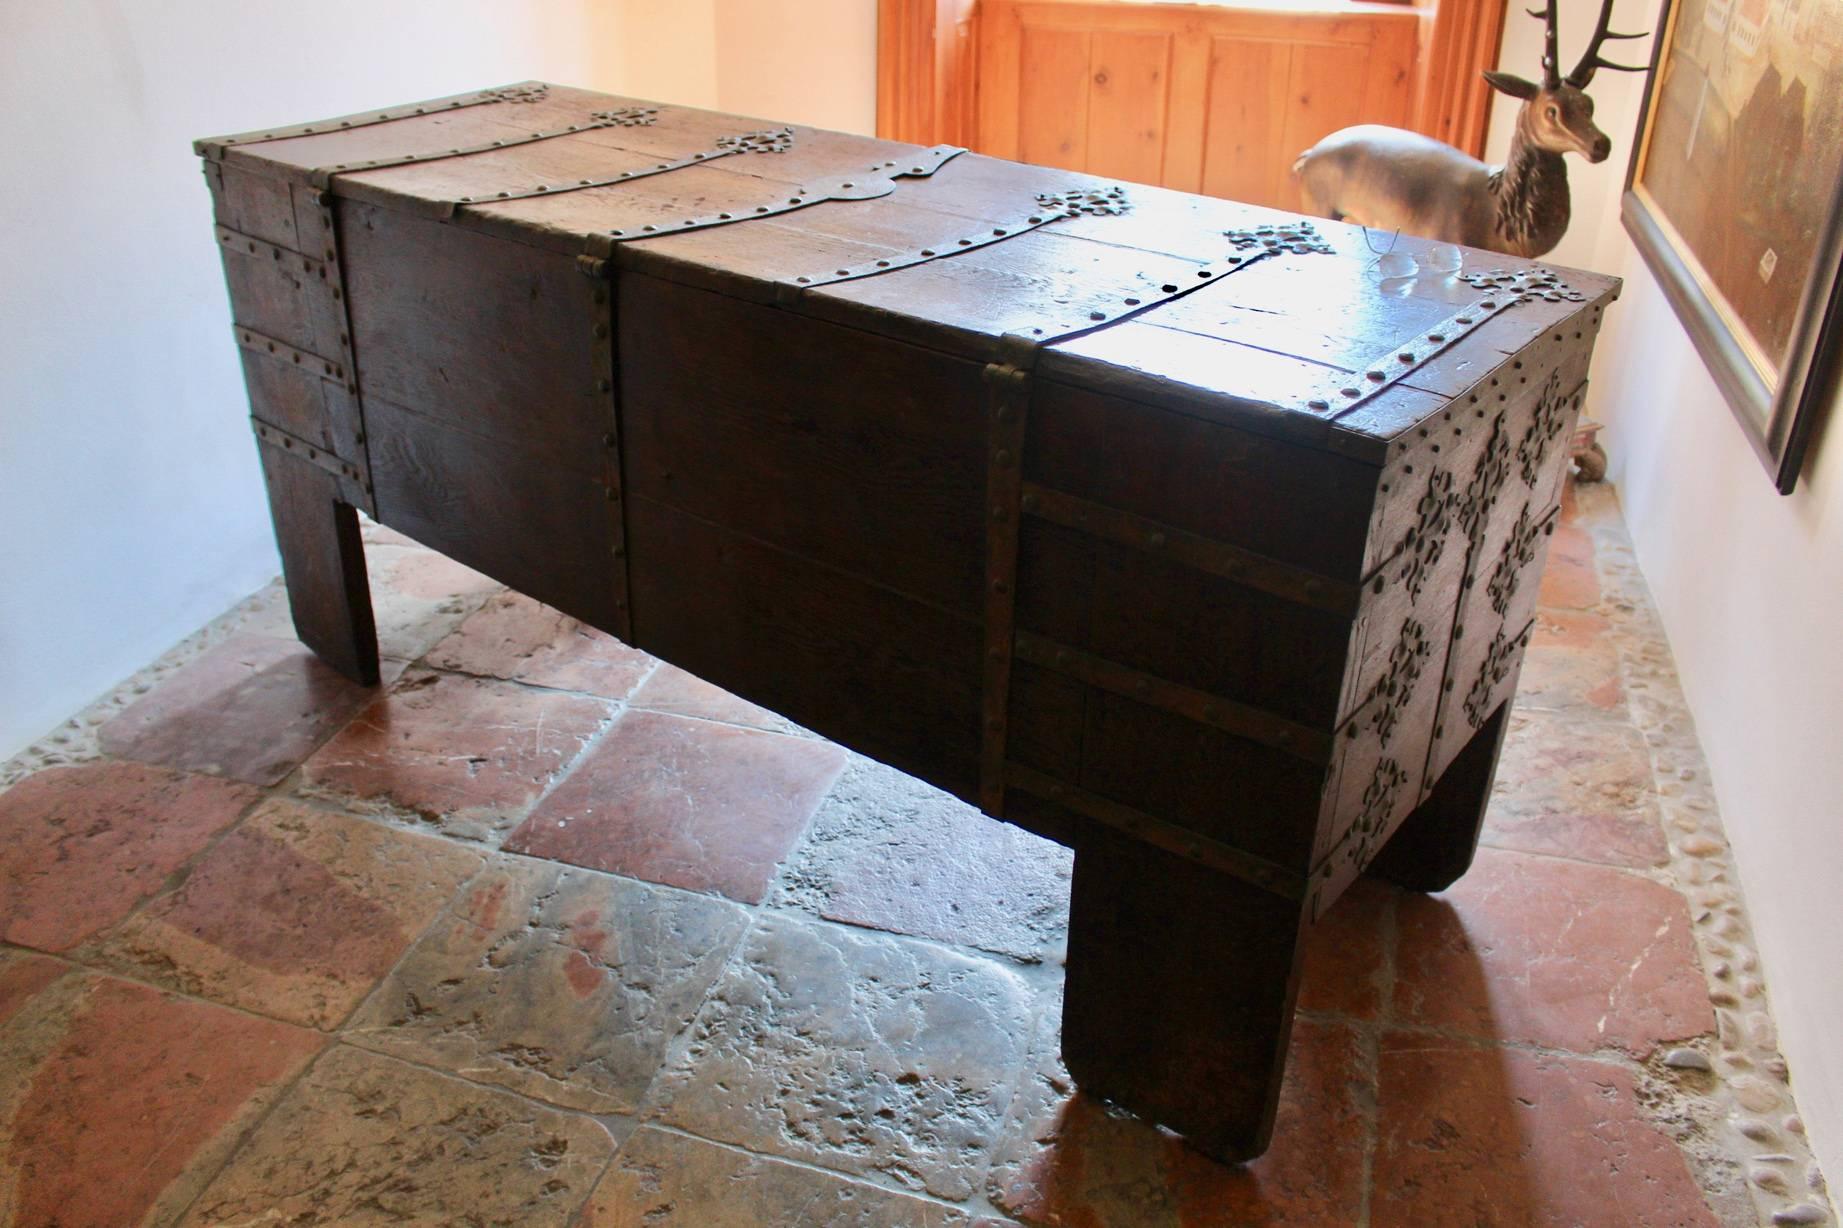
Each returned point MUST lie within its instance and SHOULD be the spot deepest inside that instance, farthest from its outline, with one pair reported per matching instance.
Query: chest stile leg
(604, 326)
(1007, 406)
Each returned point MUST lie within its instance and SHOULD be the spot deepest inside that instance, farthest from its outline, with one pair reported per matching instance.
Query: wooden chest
(1163, 525)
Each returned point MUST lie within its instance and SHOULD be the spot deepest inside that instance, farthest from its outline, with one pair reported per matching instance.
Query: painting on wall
(1734, 197)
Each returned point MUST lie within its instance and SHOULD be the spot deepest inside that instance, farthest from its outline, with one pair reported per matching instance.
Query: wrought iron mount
(527, 92)
(1339, 394)
(878, 179)
(774, 140)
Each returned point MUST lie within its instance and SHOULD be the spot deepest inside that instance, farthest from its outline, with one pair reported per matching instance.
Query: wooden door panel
(1247, 107)
(1053, 91)
(1215, 99)
(1327, 88)
(1129, 72)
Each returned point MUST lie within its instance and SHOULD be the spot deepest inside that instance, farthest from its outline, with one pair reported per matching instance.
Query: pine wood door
(1202, 98)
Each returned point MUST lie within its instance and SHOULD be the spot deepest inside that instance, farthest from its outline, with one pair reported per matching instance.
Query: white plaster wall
(803, 61)
(1749, 585)
(131, 506)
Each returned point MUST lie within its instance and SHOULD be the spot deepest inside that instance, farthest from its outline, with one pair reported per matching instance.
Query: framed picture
(1735, 198)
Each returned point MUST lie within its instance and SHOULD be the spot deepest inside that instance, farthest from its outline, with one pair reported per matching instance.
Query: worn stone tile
(1553, 953)
(1069, 1159)
(1576, 788)
(418, 596)
(376, 534)
(888, 852)
(1473, 1136)
(23, 974)
(685, 802)
(516, 638)
(1570, 578)
(1347, 953)
(296, 914)
(363, 1139)
(1572, 665)
(855, 1052)
(251, 708)
(117, 1101)
(673, 690)
(661, 1180)
(562, 984)
(81, 847)
(467, 755)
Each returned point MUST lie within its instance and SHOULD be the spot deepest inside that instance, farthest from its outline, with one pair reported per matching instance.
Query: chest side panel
(1495, 502)
(804, 520)
(485, 369)
(286, 277)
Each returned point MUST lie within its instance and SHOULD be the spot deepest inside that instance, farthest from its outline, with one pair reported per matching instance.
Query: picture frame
(1734, 198)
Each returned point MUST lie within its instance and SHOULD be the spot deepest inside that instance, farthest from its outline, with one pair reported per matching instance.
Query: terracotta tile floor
(547, 932)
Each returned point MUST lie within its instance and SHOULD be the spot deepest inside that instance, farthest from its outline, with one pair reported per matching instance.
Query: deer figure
(1393, 179)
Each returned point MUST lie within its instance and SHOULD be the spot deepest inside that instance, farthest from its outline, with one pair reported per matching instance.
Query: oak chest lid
(1280, 324)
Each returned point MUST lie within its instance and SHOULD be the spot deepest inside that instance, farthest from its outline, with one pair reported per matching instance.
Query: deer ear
(1510, 83)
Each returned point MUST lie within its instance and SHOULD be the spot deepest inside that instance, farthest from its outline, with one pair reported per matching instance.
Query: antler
(1591, 61)
(1551, 60)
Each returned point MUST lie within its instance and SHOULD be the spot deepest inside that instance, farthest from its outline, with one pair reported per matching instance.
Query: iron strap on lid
(1339, 394)
(530, 91)
(323, 176)
(775, 140)
(879, 179)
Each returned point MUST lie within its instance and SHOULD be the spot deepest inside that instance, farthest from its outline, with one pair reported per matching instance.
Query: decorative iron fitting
(1518, 553)
(878, 180)
(1007, 406)
(1245, 567)
(1532, 283)
(1372, 823)
(1228, 715)
(322, 177)
(281, 351)
(535, 91)
(214, 147)
(1394, 691)
(1544, 428)
(1159, 832)
(773, 140)
(313, 453)
(778, 141)
(1425, 541)
(1087, 202)
(1338, 395)
(1499, 659)
(1473, 508)
(629, 117)
(1300, 238)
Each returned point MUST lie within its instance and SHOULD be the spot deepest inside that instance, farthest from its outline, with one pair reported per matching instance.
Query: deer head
(1557, 116)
